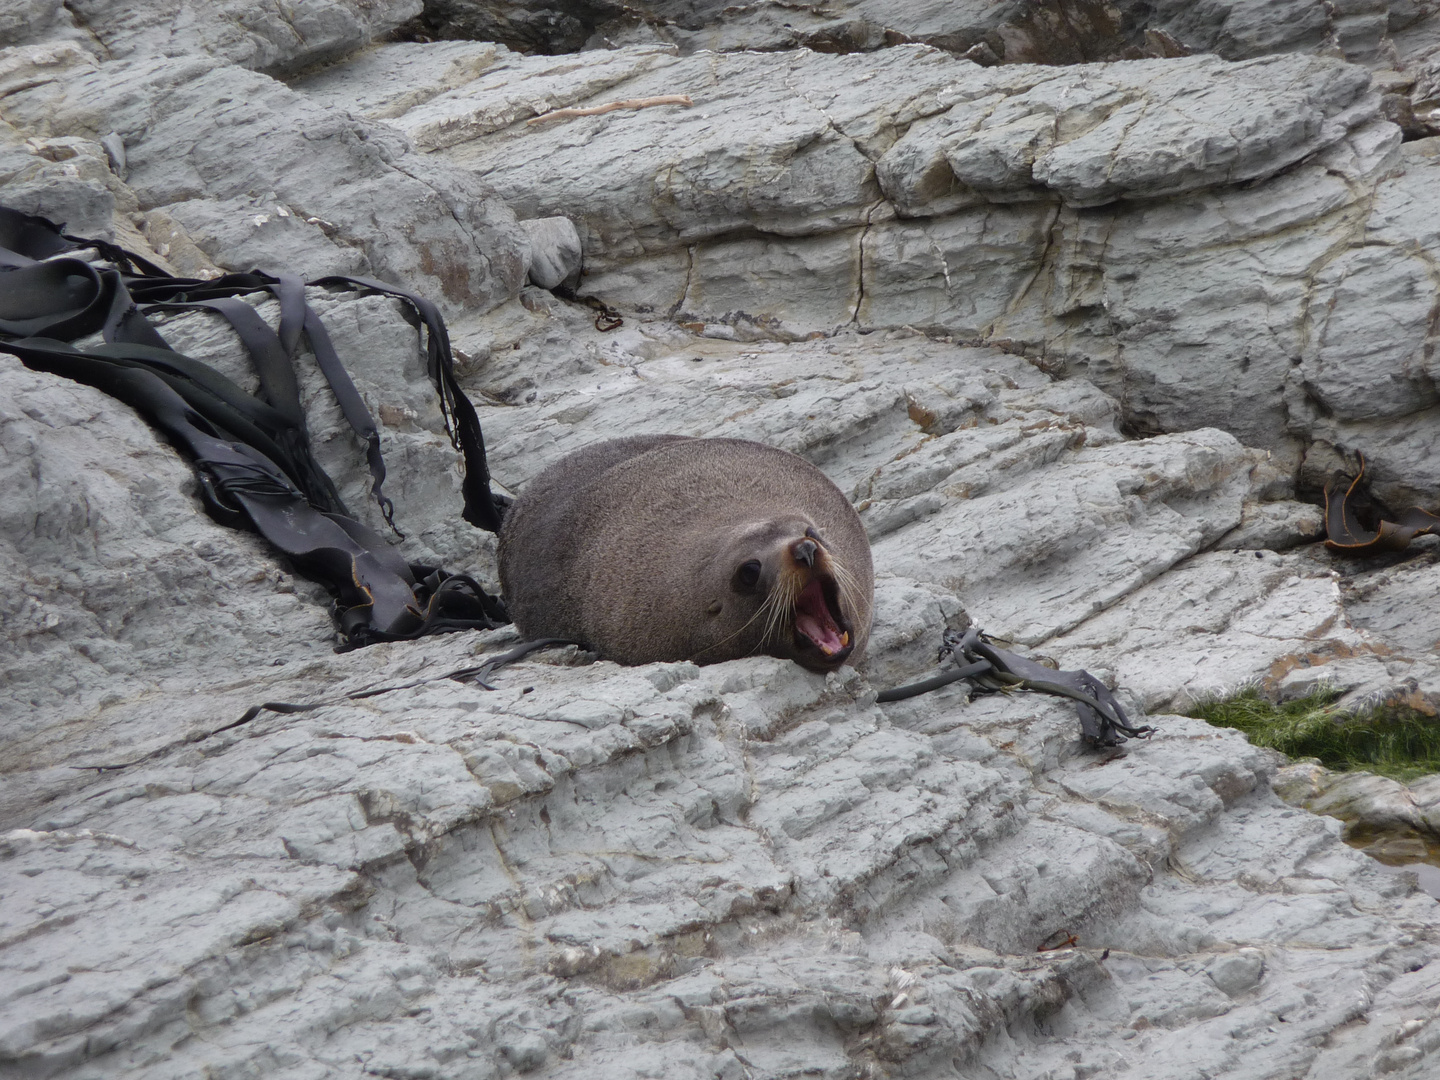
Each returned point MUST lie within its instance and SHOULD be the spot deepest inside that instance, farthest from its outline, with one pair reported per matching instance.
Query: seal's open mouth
(818, 622)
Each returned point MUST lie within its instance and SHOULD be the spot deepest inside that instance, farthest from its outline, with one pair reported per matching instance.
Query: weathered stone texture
(1074, 339)
(257, 175)
(267, 35)
(1107, 220)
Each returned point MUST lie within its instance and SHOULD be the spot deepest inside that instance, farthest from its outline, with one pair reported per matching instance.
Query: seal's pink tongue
(812, 618)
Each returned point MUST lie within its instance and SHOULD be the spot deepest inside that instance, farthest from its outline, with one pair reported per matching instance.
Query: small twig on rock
(611, 106)
(1061, 939)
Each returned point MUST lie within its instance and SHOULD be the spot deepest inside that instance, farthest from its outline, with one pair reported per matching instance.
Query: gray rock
(85, 207)
(1394, 822)
(1361, 678)
(39, 20)
(708, 857)
(1372, 802)
(1237, 972)
(97, 566)
(446, 93)
(1237, 29)
(1381, 416)
(1275, 526)
(248, 233)
(894, 203)
(1389, 602)
(555, 254)
(1064, 32)
(1064, 528)
(910, 218)
(1215, 623)
(745, 869)
(184, 123)
(264, 35)
(386, 82)
(174, 247)
(66, 179)
(831, 144)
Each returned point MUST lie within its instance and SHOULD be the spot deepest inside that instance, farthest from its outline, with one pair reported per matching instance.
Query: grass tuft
(1393, 741)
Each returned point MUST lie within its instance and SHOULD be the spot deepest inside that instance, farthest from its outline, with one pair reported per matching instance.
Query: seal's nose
(804, 551)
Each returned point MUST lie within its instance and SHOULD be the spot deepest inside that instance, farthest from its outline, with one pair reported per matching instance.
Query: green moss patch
(1396, 742)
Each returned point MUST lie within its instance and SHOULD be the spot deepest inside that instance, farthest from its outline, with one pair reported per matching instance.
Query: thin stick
(611, 106)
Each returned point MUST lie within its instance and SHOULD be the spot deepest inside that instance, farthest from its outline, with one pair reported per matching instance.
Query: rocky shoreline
(1081, 304)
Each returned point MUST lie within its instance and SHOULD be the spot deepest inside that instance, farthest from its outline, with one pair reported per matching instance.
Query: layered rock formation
(1077, 302)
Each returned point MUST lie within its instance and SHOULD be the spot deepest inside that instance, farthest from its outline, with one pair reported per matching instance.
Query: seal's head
(776, 588)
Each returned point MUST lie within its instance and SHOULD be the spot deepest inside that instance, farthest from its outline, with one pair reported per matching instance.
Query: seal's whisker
(774, 608)
(846, 584)
(784, 596)
(706, 550)
(758, 612)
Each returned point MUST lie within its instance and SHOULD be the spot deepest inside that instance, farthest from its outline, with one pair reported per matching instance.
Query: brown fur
(633, 547)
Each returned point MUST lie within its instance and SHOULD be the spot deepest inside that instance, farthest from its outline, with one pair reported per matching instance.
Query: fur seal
(662, 547)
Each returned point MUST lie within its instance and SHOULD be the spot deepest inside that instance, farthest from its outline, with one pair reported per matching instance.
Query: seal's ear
(747, 578)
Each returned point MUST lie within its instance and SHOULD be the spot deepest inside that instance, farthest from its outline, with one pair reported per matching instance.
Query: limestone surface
(267, 35)
(254, 175)
(1026, 31)
(1081, 324)
(669, 868)
(1205, 254)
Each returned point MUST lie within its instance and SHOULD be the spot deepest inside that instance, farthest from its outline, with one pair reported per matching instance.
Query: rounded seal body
(661, 547)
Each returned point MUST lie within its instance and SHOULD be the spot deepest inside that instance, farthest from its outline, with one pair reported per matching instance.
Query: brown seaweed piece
(1356, 524)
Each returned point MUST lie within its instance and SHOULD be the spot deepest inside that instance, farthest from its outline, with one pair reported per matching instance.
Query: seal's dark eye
(747, 577)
